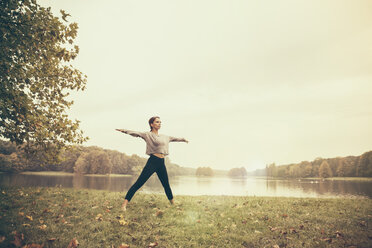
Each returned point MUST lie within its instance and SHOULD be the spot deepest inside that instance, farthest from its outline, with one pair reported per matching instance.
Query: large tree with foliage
(36, 49)
(325, 170)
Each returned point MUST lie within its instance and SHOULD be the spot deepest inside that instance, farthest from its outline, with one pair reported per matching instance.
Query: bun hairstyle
(152, 119)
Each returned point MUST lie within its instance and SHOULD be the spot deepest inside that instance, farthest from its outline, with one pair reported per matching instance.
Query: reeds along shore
(63, 217)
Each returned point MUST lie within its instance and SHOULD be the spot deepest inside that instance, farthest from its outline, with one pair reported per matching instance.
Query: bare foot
(124, 205)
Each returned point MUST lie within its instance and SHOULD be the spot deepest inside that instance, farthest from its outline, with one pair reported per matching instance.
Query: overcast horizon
(248, 83)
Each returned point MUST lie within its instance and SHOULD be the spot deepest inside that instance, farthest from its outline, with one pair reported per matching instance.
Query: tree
(340, 168)
(364, 166)
(35, 50)
(204, 171)
(82, 165)
(325, 170)
(99, 162)
(271, 170)
(237, 172)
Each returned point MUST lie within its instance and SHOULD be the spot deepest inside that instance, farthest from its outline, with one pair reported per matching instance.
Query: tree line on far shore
(351, 166)
(81, 159)
(96, 160)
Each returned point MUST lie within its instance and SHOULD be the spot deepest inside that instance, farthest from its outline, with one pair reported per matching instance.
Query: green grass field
(52, 217)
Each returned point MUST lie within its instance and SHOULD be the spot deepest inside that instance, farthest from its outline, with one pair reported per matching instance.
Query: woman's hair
(152, 119)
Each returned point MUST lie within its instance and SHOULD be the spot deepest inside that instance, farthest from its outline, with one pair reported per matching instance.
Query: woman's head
(155, 122)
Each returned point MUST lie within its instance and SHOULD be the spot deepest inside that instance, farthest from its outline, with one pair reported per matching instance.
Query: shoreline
(63, 173)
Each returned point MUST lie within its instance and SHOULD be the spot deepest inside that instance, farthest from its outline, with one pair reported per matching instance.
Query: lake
(192, 185)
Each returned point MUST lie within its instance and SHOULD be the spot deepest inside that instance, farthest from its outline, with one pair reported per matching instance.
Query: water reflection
(189, 185)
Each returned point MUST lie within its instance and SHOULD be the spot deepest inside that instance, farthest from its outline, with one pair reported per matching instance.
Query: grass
(54, 216)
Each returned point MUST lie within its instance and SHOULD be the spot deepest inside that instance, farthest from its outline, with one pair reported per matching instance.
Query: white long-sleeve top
(155, 143)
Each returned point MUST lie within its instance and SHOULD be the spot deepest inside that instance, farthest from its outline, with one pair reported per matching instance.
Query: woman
(157, 148)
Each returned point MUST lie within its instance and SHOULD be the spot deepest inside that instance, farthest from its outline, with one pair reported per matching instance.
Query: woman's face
(156, 124)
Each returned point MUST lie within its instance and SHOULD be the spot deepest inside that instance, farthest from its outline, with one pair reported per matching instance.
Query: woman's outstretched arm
(133, 133)
(174, 139)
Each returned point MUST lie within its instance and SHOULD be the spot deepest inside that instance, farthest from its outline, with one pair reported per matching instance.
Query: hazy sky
(246, 82)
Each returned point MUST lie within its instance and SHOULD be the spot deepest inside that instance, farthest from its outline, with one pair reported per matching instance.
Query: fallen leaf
(198, 221)
(29, 217)
(244, 221)
(273, 228)
(159, 213)
(21, 214)
(123, 245)
(52, 239)
(73, 243)
(284, 215)
(292, 230)
(276, 246)
(339, 234)
(122, 222)
(99, 217)
(33, 246)
(255, 231)
(26, 224)
(153, 244)
(42, 227)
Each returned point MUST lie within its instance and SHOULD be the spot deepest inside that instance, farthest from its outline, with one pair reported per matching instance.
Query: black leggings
(153, 164)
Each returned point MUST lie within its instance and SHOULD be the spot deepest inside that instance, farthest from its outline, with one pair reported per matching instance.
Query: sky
(248, 83)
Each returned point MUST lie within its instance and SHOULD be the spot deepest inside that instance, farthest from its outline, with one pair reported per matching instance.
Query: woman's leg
(163, 176)
(147, 171)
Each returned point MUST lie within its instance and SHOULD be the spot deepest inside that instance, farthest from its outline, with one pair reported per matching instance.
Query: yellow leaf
(123, 222)
(21, 213)
(99, 217)
(42, 227)
(29, 217)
